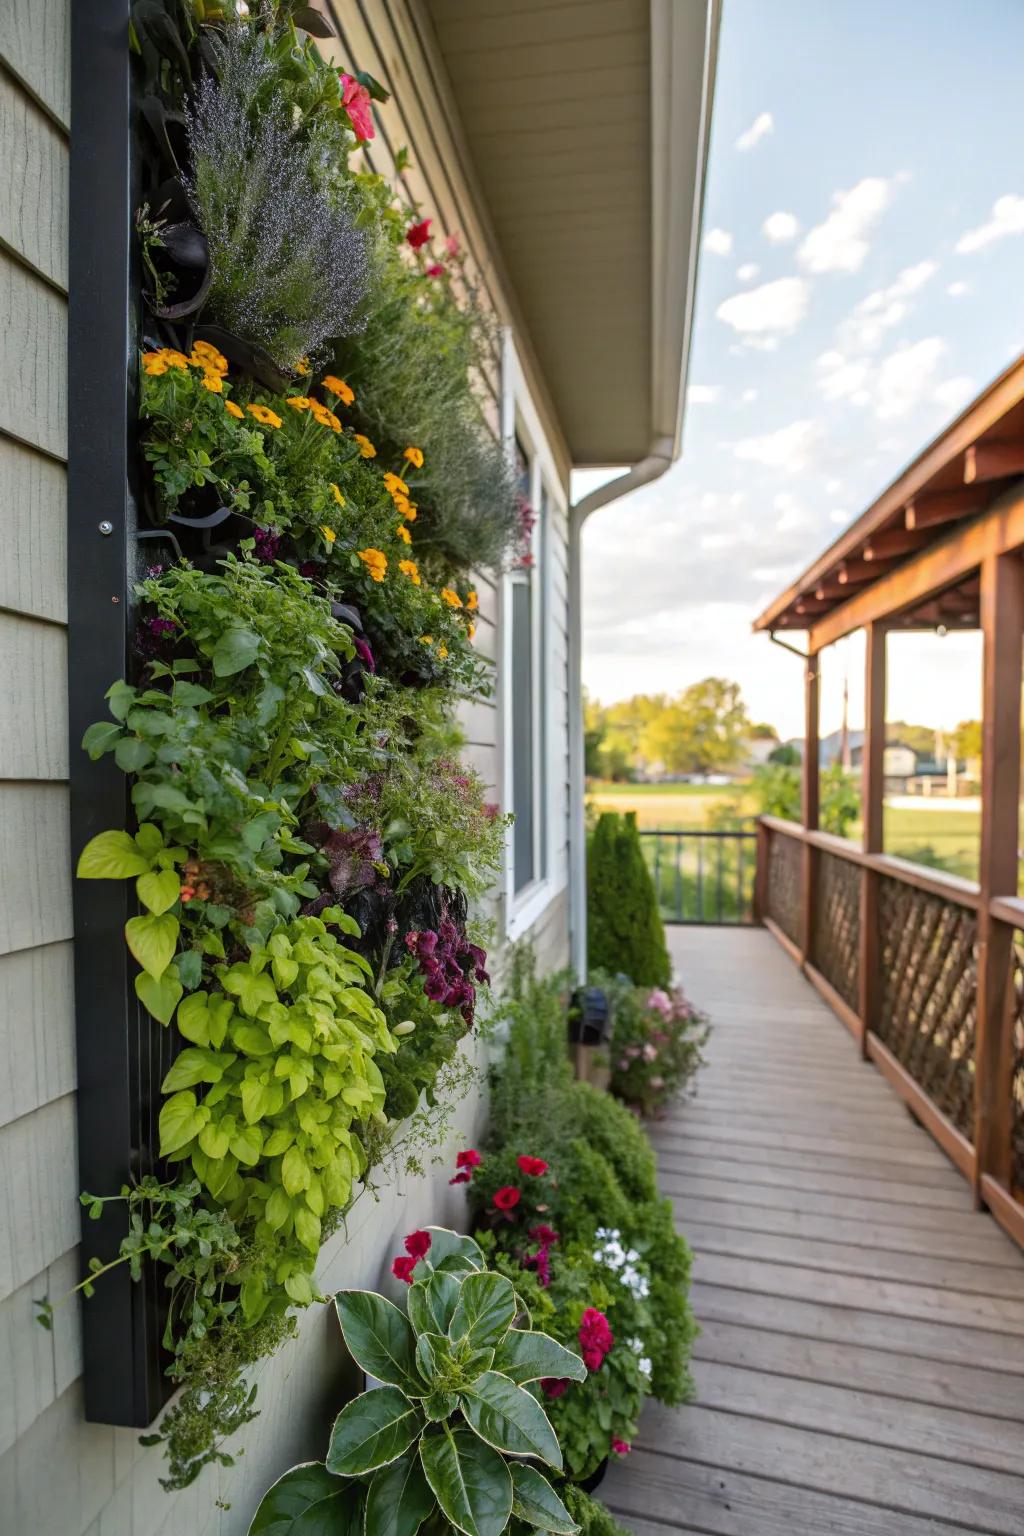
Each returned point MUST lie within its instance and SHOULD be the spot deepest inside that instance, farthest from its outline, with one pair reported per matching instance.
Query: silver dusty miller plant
(289, 268)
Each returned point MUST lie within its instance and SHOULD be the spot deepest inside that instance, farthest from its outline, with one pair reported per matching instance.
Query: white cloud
(718, 242)
(749, 396)
(774, 309)
(787, 448)
(954, 393)
(907, 376)
(1007, 219)
(780, 227)
(864, 330)
(703, 394)
(762, 125)
(792, 515)
(718, 540)
(748, 271)
(842, 378)
(839, 515)
(840, 243)
(957, 290)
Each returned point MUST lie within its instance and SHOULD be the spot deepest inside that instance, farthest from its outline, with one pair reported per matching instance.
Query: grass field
(944, 839)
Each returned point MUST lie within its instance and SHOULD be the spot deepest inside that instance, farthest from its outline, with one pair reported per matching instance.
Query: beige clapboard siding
(33, 379)
(33, 530)
(37, 1365)
(35, 878)
(37, 1037)
(33, 699)
(39, 1210)
(34, 45)
(34, 186)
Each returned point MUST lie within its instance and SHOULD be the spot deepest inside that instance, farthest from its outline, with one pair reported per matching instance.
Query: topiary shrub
(624, 928)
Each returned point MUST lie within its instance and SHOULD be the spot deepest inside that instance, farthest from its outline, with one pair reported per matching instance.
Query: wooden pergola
(925, 968)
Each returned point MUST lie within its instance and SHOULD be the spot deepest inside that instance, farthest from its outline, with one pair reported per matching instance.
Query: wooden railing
(895, 949)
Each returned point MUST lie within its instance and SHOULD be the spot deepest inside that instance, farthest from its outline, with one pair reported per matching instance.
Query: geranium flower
(403, 1267)
(452, 245)
(414, 456)
(621, 1447)
(554, 1386)
(596, 1338)
(345, 393)
(418, 234)
(507, 1198)
(355, 99)
(468, 1158)
(435, 269)
(417, 1244)
(366, 448)
(533, 1167)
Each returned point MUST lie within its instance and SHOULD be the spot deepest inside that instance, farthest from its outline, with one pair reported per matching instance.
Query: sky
(860, 281)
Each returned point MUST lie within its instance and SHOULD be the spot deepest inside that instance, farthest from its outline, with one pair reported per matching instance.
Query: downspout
(644, 472)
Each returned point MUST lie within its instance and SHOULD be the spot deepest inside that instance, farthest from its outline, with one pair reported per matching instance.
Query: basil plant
(451, 1438)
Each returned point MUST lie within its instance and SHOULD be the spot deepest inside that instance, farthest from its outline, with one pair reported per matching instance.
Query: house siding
(59, 1475)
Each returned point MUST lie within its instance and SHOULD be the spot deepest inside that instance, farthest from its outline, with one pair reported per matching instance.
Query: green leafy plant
(624, 927)
(656, 1044)
(453, 1432)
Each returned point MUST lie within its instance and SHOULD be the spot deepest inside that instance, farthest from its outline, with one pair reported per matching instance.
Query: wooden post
(763, 846)
(1002, 623)
(809, 803)
(872, 810)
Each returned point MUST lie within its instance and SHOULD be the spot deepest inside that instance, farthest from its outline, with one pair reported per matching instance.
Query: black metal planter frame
(122, 1053)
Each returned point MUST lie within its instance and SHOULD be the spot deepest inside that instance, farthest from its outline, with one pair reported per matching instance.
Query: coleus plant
(451, 1437)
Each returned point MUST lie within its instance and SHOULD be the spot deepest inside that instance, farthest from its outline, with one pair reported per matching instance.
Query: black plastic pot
(590, 1016)
(593, 1482)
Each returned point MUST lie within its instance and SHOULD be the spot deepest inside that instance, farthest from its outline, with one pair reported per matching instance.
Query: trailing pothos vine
(306, 845)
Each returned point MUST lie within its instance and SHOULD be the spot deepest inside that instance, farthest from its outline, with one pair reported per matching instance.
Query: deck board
(862, 1365)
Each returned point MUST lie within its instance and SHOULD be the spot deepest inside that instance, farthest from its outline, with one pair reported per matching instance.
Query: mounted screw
(106, 528)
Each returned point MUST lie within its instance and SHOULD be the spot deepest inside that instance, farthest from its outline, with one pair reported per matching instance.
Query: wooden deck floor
(861, 1368)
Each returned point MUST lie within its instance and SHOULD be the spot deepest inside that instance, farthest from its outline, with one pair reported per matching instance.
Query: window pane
(522, 731)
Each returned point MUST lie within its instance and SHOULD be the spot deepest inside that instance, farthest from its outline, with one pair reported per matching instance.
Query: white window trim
(521, 418)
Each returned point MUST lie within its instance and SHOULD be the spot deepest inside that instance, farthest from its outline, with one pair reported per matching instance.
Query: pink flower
(355, 98)
(417, 1244)
(533, 1167)
(657, 1083)
(403, 1267)
(418, 234)
(453, 245)
(660, 1002)
(621, 1447)
(435, 270)
(596, 1338)
(543, 1235)
(554, 1386)
(507, 1197)
(650, 1052)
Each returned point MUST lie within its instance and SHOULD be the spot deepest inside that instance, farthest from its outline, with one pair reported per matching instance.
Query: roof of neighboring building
(956, 477)
(586, 125)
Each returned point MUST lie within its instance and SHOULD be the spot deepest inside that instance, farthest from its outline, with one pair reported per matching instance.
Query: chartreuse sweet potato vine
(451, 1438)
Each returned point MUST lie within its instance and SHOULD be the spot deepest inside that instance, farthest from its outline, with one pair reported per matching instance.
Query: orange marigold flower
(154, 364)
(174, 359)
(451, 598)
(366, 448)
(404, 534)
(234, 410)
(426, 639)
(214, 383)
(376, 562)
(414, 456)
(298, 402)
(471, 631)
(302, 366)
(345, 393)
(339, 498)
(472, 601)
(410, 569)
(207, 357)
(395, 485)
(264, 415)
(325, 417)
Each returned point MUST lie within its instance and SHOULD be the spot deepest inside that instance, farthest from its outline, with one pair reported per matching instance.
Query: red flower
(533, 1167)
(435, 270)
(460, 1178)
(507, 1197)
(554, 1386)
(621, 1447)
(468, 1159)
(543, 1235)
(403, 1267)
(596, 1338)
(418, 234)
(355, 98)
(417, 1244)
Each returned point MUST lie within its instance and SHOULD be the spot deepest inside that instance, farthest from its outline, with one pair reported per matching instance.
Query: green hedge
(624, 928)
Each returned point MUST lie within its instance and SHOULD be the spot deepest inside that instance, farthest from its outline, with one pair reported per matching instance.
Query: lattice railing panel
(928, 961)
(1017, 1081)
(836, 943)
(783, 893)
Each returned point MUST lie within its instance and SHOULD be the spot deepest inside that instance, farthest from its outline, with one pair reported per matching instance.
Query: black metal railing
(702, 877)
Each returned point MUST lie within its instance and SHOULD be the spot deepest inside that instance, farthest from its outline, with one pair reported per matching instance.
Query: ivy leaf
(153, 940)
(111, 856)
(132, 755)
(236, 649)
(308, 1501)
(120, 697)
(379, 1338)
(399, 1498)
(510, 1418)
(252, 988)
(149, 840)
(278, 1208)
(472, 1483)
(194, 1019)
(190, 969)
(247, 1145)
(294, 1172)
(214, 1140)
(535, 1501)
(373, 1430)
(196, 1065)
(485, 1312)
(307, 1228)
(99, 738)
(159, 997)
(523, 1357)
(158, 889)
(180, 1120)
